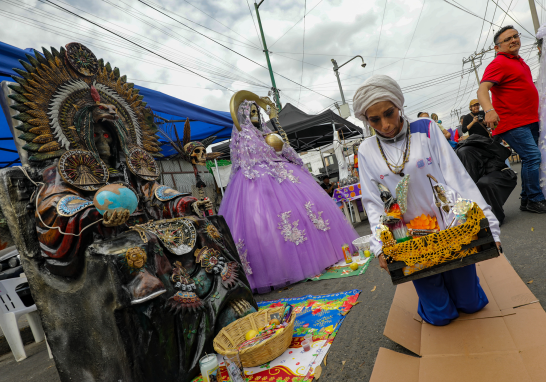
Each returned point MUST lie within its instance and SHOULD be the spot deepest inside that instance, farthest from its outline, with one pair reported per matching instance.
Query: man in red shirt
(514, 112)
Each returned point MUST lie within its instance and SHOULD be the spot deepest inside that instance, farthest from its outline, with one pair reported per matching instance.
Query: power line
(135, 80)
(413, 35)
(202, 65)
(148, 50)
(509, 5)
(470, 13)
(343, 55)
(379, 39)
(303, 46)
(254, 22)
(483, 22)
(189, 42)
(530, 34)
(306, 62)
(459, 89)
(96, 35)
(200, 10)
(234, 50)
(297, 22)
(490, 27)
(182, 17)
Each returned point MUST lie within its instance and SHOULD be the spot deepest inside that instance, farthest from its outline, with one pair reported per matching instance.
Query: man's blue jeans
(524, 140)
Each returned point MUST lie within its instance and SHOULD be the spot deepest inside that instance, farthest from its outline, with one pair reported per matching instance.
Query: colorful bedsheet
(320, 315)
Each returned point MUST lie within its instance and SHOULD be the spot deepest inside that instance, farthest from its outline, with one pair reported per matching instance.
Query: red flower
(346, 306)
(275, 305)
(317, 311)
(306, 325)
(310, 303)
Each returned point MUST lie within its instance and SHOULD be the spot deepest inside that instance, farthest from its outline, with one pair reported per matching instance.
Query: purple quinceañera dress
(285, 225)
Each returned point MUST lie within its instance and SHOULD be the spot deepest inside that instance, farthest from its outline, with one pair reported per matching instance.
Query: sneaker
(537, 207)
(523, 205)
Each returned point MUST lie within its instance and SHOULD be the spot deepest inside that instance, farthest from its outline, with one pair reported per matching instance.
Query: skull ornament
(199, 156)
(255, 115)
(196, 153)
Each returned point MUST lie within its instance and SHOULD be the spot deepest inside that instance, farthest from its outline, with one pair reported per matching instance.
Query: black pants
(495, 186)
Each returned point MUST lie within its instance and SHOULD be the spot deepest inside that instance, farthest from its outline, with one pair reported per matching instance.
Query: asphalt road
(353, 353)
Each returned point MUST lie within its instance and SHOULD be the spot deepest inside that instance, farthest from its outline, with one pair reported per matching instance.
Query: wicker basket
(230, 337)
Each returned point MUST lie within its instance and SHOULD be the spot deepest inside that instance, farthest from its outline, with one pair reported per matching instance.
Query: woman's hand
(499, 246)
(383, 263)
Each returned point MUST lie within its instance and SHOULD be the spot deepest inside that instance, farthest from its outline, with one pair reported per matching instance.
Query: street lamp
(344, 108)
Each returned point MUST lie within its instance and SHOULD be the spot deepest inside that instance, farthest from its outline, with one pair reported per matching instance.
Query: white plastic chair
(11, 309)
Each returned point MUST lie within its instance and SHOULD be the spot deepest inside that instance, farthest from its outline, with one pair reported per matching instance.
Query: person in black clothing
(473, 123)
(484, 160)
(329, 188)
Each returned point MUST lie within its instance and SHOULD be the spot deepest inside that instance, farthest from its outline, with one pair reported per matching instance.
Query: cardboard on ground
(504, 342)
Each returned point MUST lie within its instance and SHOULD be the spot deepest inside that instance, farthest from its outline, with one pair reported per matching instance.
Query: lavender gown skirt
(277, 240)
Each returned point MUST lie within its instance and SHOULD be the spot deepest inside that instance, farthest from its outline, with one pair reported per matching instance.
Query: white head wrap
(376, 89)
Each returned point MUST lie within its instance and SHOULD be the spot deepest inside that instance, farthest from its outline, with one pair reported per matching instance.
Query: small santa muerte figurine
(172, 277)
(195, 153)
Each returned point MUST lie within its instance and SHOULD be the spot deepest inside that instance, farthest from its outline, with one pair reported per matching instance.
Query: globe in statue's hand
(275, 140)
(114, 197)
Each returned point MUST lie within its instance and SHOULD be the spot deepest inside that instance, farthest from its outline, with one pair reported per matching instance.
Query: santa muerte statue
(132, 282)
(286, 227)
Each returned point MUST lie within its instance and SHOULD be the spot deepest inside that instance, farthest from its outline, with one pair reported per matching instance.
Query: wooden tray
(487, 250)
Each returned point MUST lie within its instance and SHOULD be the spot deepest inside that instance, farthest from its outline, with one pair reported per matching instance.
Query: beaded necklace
(398, 169)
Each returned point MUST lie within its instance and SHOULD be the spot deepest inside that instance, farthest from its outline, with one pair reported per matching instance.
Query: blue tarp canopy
(205, 122)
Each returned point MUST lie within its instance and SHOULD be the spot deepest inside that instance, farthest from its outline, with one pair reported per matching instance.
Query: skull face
(199, 156)
(103, 141)
(254, 115)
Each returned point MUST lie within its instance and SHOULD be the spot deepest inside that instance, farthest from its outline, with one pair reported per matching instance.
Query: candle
(209, 368)
(235, 367)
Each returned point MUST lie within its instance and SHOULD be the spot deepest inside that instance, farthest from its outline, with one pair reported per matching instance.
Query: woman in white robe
(379, 103)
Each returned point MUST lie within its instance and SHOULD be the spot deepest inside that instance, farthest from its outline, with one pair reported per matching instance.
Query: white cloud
(336, 29)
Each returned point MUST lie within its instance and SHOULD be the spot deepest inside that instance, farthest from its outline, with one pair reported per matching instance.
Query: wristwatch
(489, 110)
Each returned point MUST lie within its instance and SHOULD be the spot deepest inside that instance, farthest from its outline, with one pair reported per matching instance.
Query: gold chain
(407, 152)
(141, 232)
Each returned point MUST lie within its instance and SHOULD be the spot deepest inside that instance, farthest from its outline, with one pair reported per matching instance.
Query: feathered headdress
(56, 96)
(186, 147)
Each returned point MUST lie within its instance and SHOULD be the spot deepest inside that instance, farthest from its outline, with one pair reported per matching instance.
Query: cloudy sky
(420, 43)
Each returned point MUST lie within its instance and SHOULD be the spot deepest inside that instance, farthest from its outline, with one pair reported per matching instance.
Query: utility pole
(534, 15)
(266, 51)
(344, 110)
(457, 112)
(475, 56)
